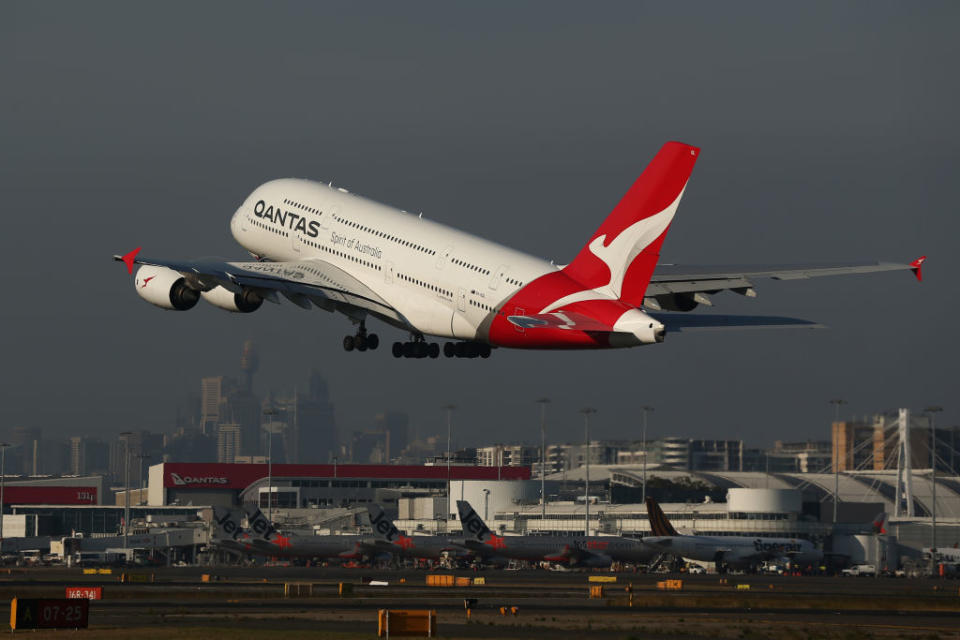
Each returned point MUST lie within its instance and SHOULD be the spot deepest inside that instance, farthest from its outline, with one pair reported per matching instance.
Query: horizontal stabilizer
(683, 322)
(559, 320)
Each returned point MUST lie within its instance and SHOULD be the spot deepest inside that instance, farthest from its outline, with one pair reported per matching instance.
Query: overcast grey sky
(829, 132)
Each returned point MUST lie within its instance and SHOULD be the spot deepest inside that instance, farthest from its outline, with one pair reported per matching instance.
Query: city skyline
(364, 442)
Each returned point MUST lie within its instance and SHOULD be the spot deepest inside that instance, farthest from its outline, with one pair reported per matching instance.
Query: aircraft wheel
(409, 349)
(484, 351)
(361, 343)
(434, 350)
(373, 341)
(449, 349)
(348, 343)
(397, 349)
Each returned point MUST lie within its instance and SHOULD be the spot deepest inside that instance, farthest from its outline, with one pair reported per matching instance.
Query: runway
(250, 602)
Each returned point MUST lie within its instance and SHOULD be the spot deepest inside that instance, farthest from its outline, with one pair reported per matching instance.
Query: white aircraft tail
(259, 525)
(473, 525)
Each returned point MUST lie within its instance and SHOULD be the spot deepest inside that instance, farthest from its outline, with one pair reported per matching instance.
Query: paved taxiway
(250, 602)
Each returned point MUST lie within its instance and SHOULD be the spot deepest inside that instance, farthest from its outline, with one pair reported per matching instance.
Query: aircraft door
(499, 276)
(295, 240)
(325, 214)
(461, 299)
(388, 272)
(444, 257)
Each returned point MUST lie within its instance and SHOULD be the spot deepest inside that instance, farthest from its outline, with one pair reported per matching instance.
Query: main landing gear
(466, 350)
(362, 341)
(416, 349)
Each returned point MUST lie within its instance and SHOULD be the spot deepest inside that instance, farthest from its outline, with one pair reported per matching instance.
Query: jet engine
(165, 288)
(677, 302)
(246, 301)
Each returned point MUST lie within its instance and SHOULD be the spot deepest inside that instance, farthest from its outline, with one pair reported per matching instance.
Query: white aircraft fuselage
(737, 550)
(443, 281)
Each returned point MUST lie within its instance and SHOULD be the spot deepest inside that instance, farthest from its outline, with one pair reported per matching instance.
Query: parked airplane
(317, 245)
(427, 547)
(587, 551)
(739, 552)
(262, 538)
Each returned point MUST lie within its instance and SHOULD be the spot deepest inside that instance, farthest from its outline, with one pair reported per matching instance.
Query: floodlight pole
(932, 411)
(126, 485)
(449, 409)
(543, 402)
(269, 411)
(586, 485)
(836, 402)
(3, 475)
(646, 409)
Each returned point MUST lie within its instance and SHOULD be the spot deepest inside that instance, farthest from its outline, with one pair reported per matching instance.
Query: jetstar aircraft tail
(879, 523)
(620, 257)
(259, 525)
(383, 527)
(227, 525)
(658, 521)
(474, 528)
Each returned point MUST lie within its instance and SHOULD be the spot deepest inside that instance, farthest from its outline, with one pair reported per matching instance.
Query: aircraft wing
(669, 279)
(303, 282)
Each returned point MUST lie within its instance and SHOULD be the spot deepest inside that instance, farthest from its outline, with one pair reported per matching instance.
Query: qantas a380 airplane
(317, 245)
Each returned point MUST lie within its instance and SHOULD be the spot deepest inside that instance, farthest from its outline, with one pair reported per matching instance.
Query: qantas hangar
(319, 486)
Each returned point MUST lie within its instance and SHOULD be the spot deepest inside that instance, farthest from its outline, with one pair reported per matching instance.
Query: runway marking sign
(49, 613)
(88, 593)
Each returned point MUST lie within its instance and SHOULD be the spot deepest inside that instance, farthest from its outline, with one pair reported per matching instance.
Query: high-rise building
(51, 457)
(89, 456)
(716, 455)
(369, 446)
(141, 447)
(22, 436)
(797, 457)
(397, 424)
(211, 401)
(313, 435)
(508, 455)
(223, 401)
(229, 441)
(672, 451)
(249, 363)
(872, 443)
(122, 452)
(189, 445)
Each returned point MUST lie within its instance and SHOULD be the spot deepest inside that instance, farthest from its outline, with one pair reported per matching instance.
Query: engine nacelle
(165, 288)
(247, 301)
(677, 302)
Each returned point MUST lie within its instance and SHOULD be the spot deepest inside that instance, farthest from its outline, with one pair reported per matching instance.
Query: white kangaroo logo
(620, 253)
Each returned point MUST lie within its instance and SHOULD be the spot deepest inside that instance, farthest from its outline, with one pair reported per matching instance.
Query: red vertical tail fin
(620, 257)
